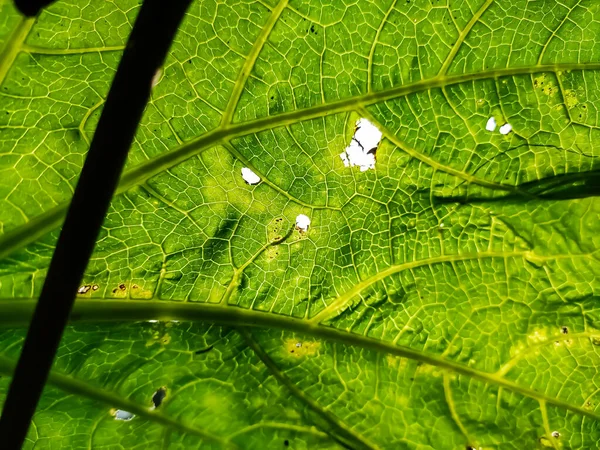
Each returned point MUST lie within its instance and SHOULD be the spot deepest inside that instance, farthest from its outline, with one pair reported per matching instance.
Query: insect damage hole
(505, 129)
(84, 289)
(491, 124)
(249, 176)
(158, 397)
(363, 146)
(120, 414)
(302, 222)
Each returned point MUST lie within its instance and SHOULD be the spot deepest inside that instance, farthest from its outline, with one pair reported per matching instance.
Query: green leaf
(446, 299)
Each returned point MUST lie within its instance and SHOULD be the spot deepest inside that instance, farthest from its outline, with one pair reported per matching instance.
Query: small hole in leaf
(302, 222)
(159, 396)
(555, 434)
(134, 286)
(122, 286)
(95, 287)
(119, 414)
(506, 128)
(249, 176)
(564, 330)
(84, 289)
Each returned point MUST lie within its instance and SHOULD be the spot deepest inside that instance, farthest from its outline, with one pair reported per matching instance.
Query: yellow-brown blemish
(300, 348)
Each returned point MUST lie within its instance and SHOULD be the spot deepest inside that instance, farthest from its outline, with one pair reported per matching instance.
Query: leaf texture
(446, 299)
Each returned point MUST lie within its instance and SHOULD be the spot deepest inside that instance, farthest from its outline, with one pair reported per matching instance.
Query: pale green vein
(51, 219)
(70, 51)
(535, 348)
(18, 313)
(250, 61)
(343, 301)
(375, 41)
(264, 179)
(112, 400)
(13, 45)
(339, 430)
(433, 163)
(452, 409)
(556, 30)
(546, 422)
(281, 426)
(239, 271)
(86, 117)
(463, 35)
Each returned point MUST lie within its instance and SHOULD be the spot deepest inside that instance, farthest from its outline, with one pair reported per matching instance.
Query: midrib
(18, 238)
(18, 312)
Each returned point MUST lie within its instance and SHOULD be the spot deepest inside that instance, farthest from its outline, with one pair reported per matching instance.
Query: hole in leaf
(249, 176)
(555, 434)
(564, 330)
(84, 289)
(120, 414)
(302, 222)
(506, 128)
(363, 146)
(159, 396)
(95, 287)
(491, 124)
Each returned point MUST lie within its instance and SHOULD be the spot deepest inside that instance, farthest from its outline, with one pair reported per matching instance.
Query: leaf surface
(446, 299)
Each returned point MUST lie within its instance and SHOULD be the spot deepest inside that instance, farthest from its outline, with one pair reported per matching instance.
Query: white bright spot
(506, 128)
(491, 124)
(249, 176)
(152, 321)
(302, 222)
(361, 151)
(123, 415)
(156, 78)
(84, 289)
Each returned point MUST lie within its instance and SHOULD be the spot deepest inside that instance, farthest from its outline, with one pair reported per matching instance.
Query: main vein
(17, 313)
(51, 219)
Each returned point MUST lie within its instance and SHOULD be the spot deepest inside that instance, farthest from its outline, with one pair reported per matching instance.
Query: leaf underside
(448, 298)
